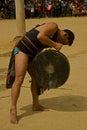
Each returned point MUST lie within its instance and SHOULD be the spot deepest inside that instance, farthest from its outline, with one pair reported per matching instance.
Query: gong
(50, 68)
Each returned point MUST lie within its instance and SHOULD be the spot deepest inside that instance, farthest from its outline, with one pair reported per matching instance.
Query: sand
(67, 104)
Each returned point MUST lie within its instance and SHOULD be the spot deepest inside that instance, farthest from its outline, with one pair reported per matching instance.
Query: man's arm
(45, 35)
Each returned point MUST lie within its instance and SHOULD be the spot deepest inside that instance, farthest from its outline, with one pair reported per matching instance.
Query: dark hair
(71, 36)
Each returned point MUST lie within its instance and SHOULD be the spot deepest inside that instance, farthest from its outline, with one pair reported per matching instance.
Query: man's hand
(58, 46)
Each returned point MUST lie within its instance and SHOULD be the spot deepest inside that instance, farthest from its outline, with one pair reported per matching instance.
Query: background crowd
(44, 8)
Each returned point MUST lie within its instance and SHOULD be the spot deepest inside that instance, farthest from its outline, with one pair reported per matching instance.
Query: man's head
(71, 36)
(66, 37)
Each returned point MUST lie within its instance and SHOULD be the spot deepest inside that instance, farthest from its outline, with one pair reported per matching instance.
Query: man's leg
(34, 90)
(21, 63)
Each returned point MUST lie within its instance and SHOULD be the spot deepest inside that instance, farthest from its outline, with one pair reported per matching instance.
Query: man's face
(64, 38)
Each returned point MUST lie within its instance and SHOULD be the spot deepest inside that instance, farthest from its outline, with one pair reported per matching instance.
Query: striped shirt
(30, 45)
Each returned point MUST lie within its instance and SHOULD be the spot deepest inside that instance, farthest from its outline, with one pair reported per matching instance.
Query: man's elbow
(39, 37)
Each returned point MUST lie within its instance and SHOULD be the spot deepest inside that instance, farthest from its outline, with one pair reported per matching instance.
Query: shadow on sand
(72, 103)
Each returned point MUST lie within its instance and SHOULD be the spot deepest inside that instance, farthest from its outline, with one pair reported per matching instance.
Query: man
(38, 38)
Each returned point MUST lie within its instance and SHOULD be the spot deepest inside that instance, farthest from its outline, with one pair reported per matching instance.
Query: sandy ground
(67, 104)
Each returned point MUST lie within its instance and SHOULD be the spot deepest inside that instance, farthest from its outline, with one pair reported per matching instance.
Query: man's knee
(19, 80)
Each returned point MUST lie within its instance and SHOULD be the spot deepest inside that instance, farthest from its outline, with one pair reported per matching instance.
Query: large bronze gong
(50, 68)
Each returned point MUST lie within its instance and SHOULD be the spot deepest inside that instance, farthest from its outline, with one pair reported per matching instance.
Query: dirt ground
(67, 104)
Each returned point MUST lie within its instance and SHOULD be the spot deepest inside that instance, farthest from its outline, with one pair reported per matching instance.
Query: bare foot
(13, 116)
(39, 108)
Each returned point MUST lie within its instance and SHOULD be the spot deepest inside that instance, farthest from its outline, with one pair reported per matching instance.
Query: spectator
(32, 10)
(28, 9)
